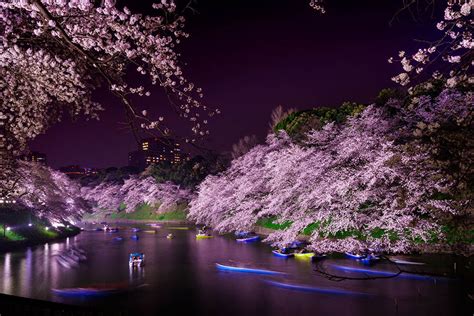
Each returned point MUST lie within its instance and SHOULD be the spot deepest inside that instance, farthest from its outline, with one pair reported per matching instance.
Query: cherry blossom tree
(49, 194)
(376, 181)
(135, 191)
(453, 48)
(54, 54)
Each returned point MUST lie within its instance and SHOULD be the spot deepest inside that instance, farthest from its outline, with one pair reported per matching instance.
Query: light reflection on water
(180, 275)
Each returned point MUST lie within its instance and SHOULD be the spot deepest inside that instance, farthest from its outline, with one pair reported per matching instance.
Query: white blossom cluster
(317, 5)
(455, 47)
(54, 53)
(135, 191)
(49, 193)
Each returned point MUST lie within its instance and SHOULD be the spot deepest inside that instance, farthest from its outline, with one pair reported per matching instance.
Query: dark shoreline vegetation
(20, 234)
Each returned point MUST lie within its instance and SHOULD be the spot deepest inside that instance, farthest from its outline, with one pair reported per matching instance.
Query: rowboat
(304, 255)
(86, 292)
(278, 253)
(308, 288)
(399, 261)
(355, 255)
(136, 259)
(228, 268)
(248, 239)
(203, 236)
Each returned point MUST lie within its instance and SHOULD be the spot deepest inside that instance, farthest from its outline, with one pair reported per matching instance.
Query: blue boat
(308, 288)
(135, 230)
(118, 238)
(134, 237)
(227, 268)
(355, 255)
(280, 254)
(96, 290)
(85, 292)
(136, 259)
(248, 239)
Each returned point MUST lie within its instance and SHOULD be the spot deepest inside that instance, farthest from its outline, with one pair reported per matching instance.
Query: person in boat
(203, 231)
(169, 236)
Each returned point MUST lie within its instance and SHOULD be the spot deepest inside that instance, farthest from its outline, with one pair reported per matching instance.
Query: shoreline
(18, 245)
(135, 221)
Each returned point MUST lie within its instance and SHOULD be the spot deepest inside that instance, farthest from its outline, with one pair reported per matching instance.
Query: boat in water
(356, 256)
(203, 236)
(96, 290)
(248, 239)
(282, 254)
(310, 288)
(229, 268)
(136, 259)
(304, 255)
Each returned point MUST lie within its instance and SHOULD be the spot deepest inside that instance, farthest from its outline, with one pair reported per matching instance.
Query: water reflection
(181, 276)
(7, 277)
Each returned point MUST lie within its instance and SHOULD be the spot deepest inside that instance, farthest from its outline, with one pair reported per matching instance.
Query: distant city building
(76, 171)
(156, 150)
(35, 156)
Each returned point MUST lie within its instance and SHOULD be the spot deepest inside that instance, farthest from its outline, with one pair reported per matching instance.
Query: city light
(29, 225)
(8, 228)
(47, 228)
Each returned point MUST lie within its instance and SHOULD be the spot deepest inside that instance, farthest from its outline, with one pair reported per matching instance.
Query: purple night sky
(250, 58)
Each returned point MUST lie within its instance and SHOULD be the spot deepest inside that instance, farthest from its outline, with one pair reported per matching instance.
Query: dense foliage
(135, 191)
(55, 54)
(396, 177)
(49, 194)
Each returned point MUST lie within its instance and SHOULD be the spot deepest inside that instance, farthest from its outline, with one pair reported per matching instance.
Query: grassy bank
(20, 228)
(144, 212)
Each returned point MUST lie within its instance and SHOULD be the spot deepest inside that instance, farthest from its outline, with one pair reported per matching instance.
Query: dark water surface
(180, 276)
